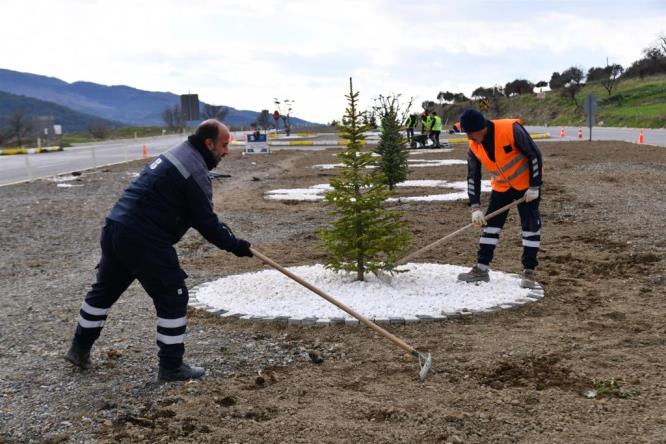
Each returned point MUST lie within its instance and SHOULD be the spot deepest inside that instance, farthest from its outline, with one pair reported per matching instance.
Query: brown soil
(510, 376)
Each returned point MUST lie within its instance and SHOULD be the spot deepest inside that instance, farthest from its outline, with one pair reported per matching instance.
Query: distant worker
(171, 195)
(436, 129)
(456, 128)
(410, 123)
(425, 122)
(505, 148)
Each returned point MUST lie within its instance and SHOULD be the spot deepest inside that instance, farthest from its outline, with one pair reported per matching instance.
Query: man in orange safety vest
(505, 148)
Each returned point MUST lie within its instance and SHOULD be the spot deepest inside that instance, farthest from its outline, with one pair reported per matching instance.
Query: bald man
(171, 195)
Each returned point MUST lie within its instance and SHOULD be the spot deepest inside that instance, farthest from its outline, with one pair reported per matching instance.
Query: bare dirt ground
(512, 376)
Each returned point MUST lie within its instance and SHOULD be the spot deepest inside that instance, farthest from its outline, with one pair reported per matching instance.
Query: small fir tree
(365, 236)
(392, 146)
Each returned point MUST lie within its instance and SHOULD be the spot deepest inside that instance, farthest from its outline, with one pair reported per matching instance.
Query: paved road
(651, 136)
(20, 168)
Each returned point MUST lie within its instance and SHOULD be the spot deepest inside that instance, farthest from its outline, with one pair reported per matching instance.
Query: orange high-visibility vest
(511, 167)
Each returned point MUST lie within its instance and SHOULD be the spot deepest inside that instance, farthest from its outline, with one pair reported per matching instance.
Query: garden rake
(425, 360)
(458, 231)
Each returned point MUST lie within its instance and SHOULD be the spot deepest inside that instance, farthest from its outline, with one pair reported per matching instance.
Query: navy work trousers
(410, 134)
(126, 256)
(530, 220)
(434, 136)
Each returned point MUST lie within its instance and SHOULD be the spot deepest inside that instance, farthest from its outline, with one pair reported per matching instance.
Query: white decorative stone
(426, 293)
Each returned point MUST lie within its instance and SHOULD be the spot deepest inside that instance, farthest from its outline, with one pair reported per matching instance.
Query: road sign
(590, 104)
(189, 106)
(484, 105)
(590, 108)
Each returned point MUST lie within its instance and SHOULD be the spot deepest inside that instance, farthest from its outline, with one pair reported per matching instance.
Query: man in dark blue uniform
(171, 195)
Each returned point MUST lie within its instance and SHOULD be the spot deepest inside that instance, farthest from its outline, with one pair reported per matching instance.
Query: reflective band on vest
(510, 169)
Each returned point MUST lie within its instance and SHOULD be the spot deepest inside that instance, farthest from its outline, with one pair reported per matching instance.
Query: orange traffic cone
(641, 138)
(563, 132)
(580, 133)
(145, 151)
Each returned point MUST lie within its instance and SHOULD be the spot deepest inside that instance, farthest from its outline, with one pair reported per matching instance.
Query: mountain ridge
(69, 119)
(119, 103)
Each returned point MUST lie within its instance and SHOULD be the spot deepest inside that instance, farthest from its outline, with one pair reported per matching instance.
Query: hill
(121, 103)
(633, 103)
(69, 119)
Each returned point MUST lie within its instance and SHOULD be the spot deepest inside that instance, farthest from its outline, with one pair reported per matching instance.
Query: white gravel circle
(427, 289)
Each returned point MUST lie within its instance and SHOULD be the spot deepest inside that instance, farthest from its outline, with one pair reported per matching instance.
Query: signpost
(189, 106)
(590, 108)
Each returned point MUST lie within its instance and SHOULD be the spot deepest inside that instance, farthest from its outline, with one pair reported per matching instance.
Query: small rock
(54, 438)
(227, 401)
(113, 353)
(316, 357)
(590, 394)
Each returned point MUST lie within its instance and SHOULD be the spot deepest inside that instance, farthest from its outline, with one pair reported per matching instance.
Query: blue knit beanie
(471, 120)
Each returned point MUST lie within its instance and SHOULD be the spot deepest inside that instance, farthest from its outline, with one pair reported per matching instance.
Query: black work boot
(528, 281)
(182, 373)
(79, 355)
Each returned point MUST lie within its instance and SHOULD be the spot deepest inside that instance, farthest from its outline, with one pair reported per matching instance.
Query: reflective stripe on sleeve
(178, 164)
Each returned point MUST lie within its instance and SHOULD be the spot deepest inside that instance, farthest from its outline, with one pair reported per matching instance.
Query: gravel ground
(516, 376)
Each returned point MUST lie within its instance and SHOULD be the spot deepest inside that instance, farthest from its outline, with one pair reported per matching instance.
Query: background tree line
(568, 83)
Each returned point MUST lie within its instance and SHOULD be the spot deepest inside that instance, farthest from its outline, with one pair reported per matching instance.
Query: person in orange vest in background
(425, 122)
(505, 148)
(456, 128)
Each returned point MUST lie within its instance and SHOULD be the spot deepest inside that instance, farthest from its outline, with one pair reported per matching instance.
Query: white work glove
(477, 218)
(531, 194)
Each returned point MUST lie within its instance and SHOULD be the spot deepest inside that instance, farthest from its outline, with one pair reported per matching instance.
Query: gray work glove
(477, 215)
(531, 194)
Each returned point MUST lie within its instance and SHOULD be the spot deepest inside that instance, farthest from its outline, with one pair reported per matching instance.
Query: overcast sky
(243, 53)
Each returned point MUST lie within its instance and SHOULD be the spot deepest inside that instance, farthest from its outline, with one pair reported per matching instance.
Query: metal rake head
(425, 362)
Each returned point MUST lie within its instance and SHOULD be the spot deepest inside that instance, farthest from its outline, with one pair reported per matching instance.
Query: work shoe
(527, 280)
(79, 355)
(182, 373)
(474, 275)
